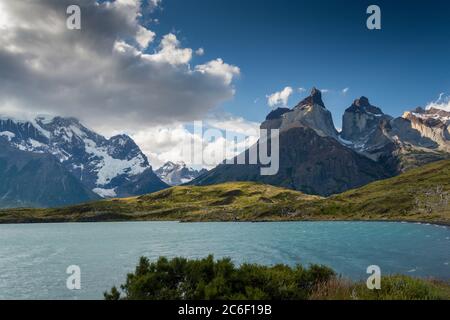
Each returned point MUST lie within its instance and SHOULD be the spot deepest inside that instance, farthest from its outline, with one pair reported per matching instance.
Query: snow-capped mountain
(177, 173)
(113, 167)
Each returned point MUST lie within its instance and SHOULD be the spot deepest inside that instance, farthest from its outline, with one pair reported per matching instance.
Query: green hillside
(224, 202)
(422, 194)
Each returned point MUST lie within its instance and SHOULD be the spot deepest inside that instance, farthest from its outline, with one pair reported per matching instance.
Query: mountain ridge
(108, 167)
(383, 147)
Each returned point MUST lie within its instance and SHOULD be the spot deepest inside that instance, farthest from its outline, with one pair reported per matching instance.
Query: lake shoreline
(63, 221)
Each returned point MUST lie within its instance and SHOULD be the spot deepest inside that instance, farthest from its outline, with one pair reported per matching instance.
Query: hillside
(421, 194)
(224, 202)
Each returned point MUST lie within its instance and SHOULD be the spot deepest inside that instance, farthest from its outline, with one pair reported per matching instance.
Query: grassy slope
(420, 194)
(229, 201)
(394, 287)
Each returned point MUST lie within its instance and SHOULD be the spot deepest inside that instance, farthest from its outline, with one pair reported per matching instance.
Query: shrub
(205, 279)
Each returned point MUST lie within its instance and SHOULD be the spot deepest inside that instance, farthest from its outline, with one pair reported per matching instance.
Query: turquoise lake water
(34, 257)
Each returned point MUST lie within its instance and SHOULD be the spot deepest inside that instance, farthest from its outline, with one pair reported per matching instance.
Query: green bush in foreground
(205, 279)
(182, 279)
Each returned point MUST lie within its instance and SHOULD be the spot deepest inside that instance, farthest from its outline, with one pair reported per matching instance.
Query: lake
(34, 257)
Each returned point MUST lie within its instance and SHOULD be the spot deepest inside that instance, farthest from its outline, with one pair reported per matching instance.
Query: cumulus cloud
(443, 103)
(280, 97)
(144, 37)
(217, 68)
(176, 142)
(170, 52)
(113, 71)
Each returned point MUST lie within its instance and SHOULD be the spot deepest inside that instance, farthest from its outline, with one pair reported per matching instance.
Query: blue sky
(320, 43)
(125, 72)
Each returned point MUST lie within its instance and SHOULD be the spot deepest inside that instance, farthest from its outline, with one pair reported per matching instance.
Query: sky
(326, 44)
(150, 68)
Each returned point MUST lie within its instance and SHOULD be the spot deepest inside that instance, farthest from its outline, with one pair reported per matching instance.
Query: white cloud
(443, 103)
(144, 37)
(200, 51)
(279, 98)
(325, 90)
(345, 90)
(220, 69)
(170, 52)
(301, 90)
(169, 143)
(102, 75)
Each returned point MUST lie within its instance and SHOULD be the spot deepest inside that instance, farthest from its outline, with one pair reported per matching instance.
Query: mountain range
(317, 159)
(64, 163)
(56, 161)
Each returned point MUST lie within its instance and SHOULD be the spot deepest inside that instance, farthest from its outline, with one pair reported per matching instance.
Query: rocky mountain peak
(362, 102)
(310, 112)
(177, 173)
(315, 98)
(362, 105)
(362, 125)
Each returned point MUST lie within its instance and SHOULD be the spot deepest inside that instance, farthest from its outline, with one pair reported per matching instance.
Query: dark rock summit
(363, 105)
(277, 113)
(310, 113)
(315, 98)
